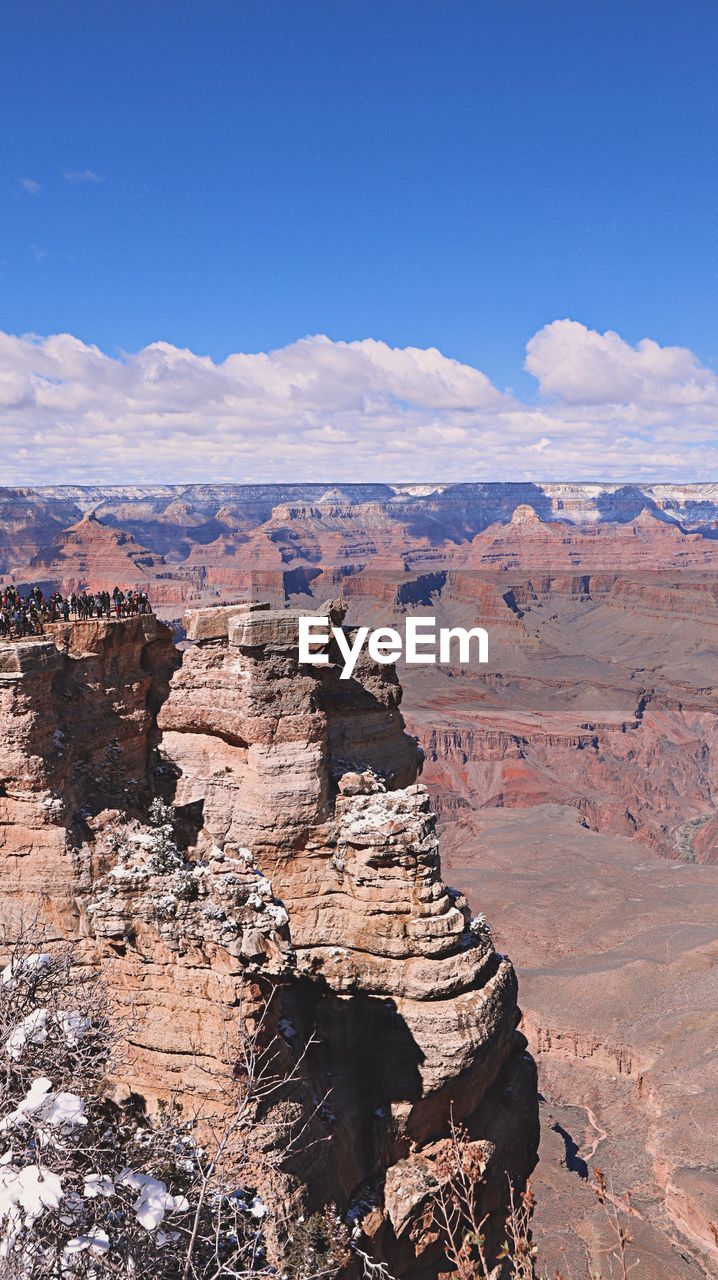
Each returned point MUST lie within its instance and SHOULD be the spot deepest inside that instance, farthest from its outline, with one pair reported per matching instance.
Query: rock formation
(77, 709)
(194, 542)
(303, 857)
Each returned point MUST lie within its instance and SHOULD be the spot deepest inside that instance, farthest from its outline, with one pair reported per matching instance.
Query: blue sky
(235, 175)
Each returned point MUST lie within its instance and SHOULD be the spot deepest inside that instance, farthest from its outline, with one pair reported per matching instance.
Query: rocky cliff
(299, 856)
(194, 542)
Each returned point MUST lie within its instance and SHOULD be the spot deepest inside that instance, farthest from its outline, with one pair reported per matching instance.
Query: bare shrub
(456, 1214)
(619, 1211)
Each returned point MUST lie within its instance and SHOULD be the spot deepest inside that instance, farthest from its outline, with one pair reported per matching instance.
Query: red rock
(413, 1011)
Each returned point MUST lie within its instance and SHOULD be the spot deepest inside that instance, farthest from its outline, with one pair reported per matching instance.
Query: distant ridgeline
(192, 543)
(482, 503)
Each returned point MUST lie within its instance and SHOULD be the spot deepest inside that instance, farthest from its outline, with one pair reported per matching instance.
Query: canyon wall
(195, 542)
(301, 857)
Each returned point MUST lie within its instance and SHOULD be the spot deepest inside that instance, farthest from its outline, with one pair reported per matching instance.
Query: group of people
(25, 615)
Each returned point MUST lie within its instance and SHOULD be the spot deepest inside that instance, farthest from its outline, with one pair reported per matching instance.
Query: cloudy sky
(324, 410)
(497, 215)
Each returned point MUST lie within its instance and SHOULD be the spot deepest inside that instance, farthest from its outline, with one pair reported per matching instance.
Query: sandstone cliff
(306, 863)
(194, 542)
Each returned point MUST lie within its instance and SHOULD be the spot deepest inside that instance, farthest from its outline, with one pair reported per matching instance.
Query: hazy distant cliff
(186, 543)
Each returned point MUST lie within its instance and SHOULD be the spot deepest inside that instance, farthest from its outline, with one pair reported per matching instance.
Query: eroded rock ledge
(307, 862)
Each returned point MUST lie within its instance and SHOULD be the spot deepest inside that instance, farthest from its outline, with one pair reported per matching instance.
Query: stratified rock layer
(308, 862)
(77, 709)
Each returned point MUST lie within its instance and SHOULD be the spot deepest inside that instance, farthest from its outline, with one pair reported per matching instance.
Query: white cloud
(323, 410)
(81, 175)
(30, 186)
(585, 367)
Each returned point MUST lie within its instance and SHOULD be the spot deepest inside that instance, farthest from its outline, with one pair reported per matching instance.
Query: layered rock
(620, 1011)
(300, 854)
(317, 774)
(78, 708)
(92, 555)
(196, 542)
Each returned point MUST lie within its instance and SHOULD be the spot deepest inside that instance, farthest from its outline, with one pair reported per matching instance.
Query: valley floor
(619, 989)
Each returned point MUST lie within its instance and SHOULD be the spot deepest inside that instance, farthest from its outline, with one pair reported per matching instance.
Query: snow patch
(154, 1200)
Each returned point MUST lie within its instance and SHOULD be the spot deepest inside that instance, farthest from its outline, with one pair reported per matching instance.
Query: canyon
(195, 542)
(574, 779)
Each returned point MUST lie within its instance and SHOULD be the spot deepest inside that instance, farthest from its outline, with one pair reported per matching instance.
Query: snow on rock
(258, 1208)
(278, 913)
(166, 1237)
(226, 901)
(262, 894)
(97, 1184)
(34, 1029)
(96, 1240)
(73, 1026)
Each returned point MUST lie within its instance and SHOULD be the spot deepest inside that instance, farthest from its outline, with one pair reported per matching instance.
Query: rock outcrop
(299, 855)
(78, 708)
(414, 1012)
